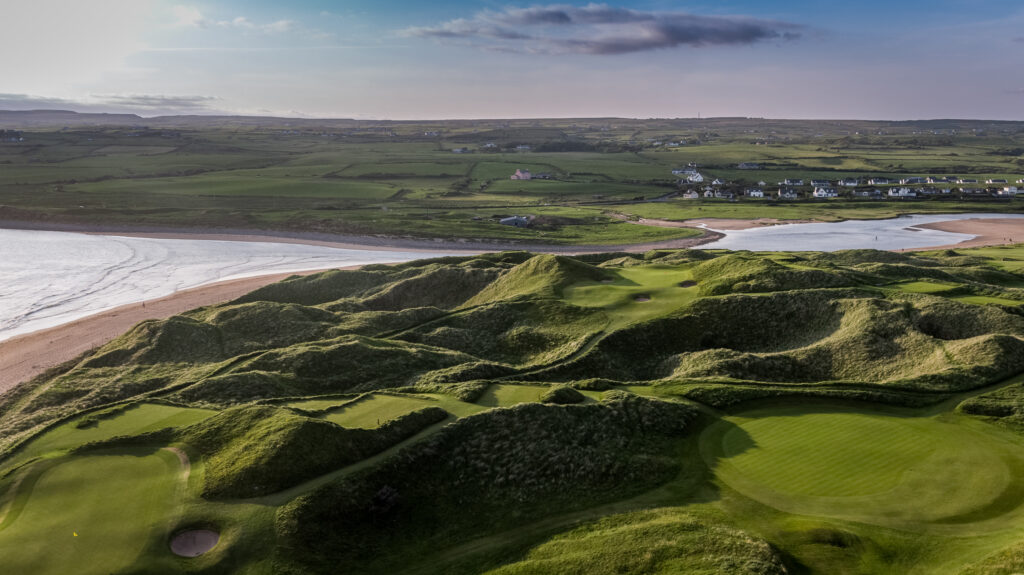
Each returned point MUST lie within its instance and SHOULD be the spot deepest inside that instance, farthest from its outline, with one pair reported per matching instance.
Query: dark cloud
(601, 29)
(147, 104)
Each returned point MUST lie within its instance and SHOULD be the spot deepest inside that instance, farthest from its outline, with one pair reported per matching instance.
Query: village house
(691, 195)
(695, 178)
(820, 183)
(1008, 191)
(1020, 181)
(875, 193)
(788, 194)
(762, 184)
(911, 181)
(754, 193)
(789, 182)
(996, 182)
(820, 192)
(967, 181)
(522, 175)
(849, 182)
(878, 181)
(717, 182)
(902, 193)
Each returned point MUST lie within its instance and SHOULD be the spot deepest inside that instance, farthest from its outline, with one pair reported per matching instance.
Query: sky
(406, 59)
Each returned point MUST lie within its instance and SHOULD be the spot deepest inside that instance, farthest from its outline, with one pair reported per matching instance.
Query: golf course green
(875, 468)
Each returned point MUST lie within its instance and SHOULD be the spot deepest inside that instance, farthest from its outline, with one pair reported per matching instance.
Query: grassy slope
(855, 325)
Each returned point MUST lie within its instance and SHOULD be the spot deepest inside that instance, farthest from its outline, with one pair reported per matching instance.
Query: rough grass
(659, 541)
(518, 457)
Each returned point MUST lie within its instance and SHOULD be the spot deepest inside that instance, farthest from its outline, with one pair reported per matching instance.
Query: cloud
(601, 29)
(192, 17)
(143, 104)
(1019, 39)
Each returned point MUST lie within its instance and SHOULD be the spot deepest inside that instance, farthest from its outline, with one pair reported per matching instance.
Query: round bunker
(194, 542)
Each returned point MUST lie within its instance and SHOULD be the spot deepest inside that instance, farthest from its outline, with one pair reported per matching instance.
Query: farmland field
(388, 179)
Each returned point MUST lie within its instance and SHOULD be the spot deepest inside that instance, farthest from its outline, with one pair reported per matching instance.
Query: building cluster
(793, 188)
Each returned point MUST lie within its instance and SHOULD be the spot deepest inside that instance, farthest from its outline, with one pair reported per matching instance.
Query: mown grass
(91, 514)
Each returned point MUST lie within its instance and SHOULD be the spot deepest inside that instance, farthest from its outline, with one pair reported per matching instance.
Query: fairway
(135, 419)
(637, 293)
(90, 515)
(866, 467)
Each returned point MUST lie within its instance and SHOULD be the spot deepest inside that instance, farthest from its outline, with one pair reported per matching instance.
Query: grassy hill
(667, 412)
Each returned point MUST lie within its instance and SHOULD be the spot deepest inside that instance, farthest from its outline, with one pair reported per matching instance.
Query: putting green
(898, 471)
(90, 514)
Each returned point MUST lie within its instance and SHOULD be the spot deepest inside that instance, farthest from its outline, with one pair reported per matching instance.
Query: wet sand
(731, 224)
(989, 232)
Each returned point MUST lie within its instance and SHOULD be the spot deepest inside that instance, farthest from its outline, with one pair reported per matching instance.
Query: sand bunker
(194, 542)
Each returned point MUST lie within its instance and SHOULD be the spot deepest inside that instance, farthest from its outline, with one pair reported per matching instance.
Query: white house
(522, 175)
(1009, 191)
(911, 181)
(967, 181)
(821, 192)
(789, 182)
(1020, 181)
(788, 194)
(691, 195)
(755, 193)
(820, 183)
(902, 193)
(695, 178)
(849, 182)
(879, 181)
(717, 182)
(762, 184)
(996, 182)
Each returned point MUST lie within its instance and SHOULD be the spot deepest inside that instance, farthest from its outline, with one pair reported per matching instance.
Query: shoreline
(996, 232)
(25, 356)
(354, 242)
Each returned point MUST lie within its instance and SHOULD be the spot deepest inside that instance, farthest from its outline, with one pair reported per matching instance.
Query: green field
(384, 179)
(677, 412)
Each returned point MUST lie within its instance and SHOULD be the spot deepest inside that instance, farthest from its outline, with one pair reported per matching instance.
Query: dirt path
(186, 464)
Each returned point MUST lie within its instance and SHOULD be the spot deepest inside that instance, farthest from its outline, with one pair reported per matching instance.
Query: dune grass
(636, 294)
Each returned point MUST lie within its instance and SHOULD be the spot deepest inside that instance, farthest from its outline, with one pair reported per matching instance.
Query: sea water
(891, 234)
(50, 278)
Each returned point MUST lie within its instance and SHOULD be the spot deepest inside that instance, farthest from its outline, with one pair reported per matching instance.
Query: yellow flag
(75, 533)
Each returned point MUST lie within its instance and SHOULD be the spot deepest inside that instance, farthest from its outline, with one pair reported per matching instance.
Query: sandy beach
(23, 357)
(988, 232)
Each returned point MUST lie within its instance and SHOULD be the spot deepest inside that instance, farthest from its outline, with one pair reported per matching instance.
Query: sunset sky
(386, 59)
